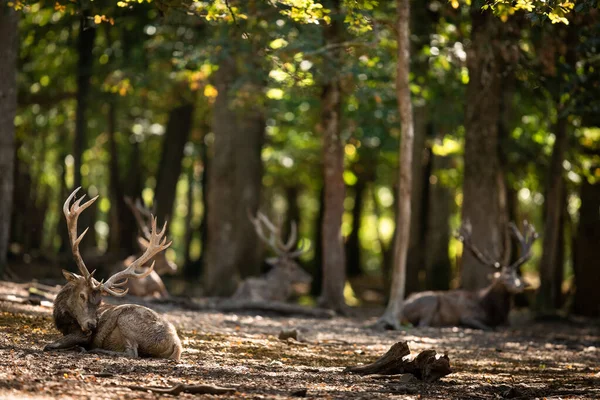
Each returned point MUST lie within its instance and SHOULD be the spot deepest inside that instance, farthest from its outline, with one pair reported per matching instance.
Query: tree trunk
(176, 136)
(585, 250)
(437, 261)
(549, 292)
(293, 210)
(189, 226)
(8, 110)
(393, 312)
(353, 249)
(234, 183)
(482, 175)
(317, 261)
(85, 45)
(417, 247)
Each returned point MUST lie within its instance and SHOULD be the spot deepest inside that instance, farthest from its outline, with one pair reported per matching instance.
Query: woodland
(319, 165)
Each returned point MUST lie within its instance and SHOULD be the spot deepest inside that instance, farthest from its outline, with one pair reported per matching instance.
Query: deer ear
(69, 276)
(143, 243)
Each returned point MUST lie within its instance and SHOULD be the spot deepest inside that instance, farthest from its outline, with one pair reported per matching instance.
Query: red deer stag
(482, 309)
(151, 285)
(126, 329)
(278, 283)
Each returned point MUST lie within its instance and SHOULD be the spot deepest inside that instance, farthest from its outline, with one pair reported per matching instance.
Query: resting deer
(482, 309)
(127, 329)
(151, 285)
(278, 283)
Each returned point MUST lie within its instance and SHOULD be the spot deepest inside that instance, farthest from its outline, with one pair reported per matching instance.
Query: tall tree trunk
(437, 261)
(85, 46)
(549, 292)
(234, 182)
(177, 133)
(482, 176)
(189, 227)
(417, 247)
(393, 312)
(585, 250)
(317, 261)
(8, 110)
(353, 250)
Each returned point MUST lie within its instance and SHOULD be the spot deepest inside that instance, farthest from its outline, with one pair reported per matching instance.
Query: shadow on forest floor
(541, 360)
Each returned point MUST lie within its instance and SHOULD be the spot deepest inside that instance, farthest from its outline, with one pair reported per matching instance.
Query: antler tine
(525, 241)
(300, 251)
(71, 215)
(464, 235)
(157, 243)
(258, 223)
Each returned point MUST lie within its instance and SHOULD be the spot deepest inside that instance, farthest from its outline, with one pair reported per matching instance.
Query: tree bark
(177, 133)
(8, 109)
(353, 249)
(417, 246)
(549, 292)
(234, 183)
(334, 257)
(392, 314)
(482, 189)
(585, 250)
(317, 261)
(437, 261)
(85, 45)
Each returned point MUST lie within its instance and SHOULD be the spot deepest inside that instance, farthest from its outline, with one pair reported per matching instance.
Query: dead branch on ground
(183, 388)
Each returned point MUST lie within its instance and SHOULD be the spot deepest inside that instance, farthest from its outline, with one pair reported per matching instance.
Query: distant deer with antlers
(482, 309)
(126, 329)
(278, 283)
(151, 285)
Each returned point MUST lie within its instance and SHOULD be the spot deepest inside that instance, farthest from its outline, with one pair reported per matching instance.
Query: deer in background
(278, 283)
(482, 309)
(127, 329)
(151, 285)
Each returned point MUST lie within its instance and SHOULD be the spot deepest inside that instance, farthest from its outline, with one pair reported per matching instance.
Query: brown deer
(482, 309)
(277, 284)
(151, 285)
(126, 329)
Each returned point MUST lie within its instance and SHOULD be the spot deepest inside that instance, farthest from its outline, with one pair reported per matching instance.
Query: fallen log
(426, 366)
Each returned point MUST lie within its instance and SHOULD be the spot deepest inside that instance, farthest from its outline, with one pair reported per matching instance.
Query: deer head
(82, 294)
(143, 217)
(284, 263)
(507, 275)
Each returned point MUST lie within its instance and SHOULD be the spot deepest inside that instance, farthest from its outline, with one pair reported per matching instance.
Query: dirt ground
(531, 360)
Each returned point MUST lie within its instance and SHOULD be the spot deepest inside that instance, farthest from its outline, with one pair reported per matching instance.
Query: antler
(71, 215)
(139, 212)
(275, 240)
(526, 241)
(464, 235)
(157, 243)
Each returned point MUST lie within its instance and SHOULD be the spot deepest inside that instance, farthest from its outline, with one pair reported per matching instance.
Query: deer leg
(470, 322)
(78, 339)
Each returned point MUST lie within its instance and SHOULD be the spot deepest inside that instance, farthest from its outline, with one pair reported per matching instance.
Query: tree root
(182, 388)
(426, 366)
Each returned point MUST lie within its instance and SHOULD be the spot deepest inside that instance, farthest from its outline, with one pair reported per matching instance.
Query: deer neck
(495, 301)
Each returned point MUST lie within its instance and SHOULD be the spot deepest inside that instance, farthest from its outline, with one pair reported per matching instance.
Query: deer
(483, 309)
(277, 284)
(151, 285)
(90, 325)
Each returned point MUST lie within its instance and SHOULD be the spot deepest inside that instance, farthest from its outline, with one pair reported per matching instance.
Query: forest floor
(535, 360)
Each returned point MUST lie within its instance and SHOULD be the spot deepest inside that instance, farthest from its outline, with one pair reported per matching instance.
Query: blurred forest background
(210, 110)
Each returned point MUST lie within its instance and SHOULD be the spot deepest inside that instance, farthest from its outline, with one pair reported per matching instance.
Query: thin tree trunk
(189, 227)
(417, 247)
(85, 45)
(176, 136)
(8, 110)
(585, 250)
(353, 249)
(393, 312)
(437, 261)
(317, 261)
(293, 210)
(482, 175)
(549, 292)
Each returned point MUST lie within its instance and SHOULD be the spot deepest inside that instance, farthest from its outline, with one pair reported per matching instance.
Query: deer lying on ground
(278, 283)
(151, 285)
(126, 329)
(482, 309)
